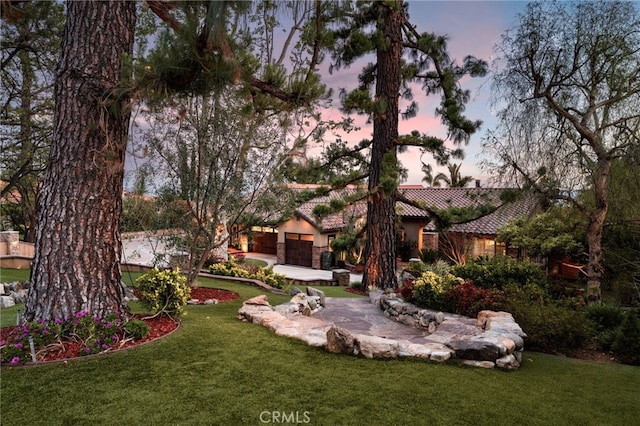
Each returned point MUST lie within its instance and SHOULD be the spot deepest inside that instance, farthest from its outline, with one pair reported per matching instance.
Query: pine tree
(403, 56)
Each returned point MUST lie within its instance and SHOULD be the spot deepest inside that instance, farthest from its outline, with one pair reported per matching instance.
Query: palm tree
(428, 173)
(454, 180)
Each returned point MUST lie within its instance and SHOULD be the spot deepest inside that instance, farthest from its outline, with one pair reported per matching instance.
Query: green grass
(11, 275)
(218, 370)
(257, 262)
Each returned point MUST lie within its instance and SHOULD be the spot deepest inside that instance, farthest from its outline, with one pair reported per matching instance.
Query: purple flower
(81, 314)
(19, 345)
(114, 337)
(3, 342)
(15, 360)
(87, 350)
(109, 325)
(104, 346)
(96, 319)
(58, 321)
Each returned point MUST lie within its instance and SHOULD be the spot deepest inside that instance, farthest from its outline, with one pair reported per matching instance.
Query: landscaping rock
(287, 308)
(478, 350)
(319, 293)
(258, 300)
(317, 338)
(376, 347)
(19, 296)
(2, 289)
(481, 364)
(340, 341)
(414, 350)
(6, 302)
(440, 356)
(294, 291)
(508, 362)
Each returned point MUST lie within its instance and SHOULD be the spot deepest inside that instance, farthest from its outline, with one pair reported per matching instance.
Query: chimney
(477, 183)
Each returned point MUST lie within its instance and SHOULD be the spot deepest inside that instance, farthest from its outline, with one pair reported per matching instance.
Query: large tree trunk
(77, 262)
(380, 251)
(594, 232)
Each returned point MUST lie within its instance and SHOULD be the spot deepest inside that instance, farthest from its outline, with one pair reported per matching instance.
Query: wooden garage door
(265, 242)
(299, 249)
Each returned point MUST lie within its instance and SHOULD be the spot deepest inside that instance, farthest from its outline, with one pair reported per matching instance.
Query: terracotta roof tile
(438, 198)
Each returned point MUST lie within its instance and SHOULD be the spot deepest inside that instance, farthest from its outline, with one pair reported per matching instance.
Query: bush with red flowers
(467, 299)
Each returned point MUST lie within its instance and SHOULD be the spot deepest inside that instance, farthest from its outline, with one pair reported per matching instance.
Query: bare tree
(568, 90)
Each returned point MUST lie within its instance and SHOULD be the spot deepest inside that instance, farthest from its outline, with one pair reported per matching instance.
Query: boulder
(19, 296)
(440, 356)
(316, 338)
(478, 350)
(340, 341)
(376, 347)
(481, 364)
(258, 300)
(414, 350)
(315, 292)
(508, 362)
(6, 302)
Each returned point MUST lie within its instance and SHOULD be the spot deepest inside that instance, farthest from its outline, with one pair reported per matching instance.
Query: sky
(472, 28)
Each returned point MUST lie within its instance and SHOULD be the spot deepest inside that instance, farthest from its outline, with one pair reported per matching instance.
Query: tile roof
(491, 222)
(334, 221)
(438, 198)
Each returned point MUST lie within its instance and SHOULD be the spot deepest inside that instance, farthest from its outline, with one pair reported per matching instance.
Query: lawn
(218, 370)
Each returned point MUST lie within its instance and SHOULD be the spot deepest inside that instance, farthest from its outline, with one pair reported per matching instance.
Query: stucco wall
(301, 226)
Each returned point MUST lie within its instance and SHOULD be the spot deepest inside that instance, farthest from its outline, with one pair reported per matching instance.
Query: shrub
(269, 277)
(468, 300)
(605, 321)
(440, 267)
(231, 268)
(136, 329)
(164, 292)
(406, 291)
(626, 346)
(499, 272)
(429, 255)
(430, 288)
(604, 317)
(550, 327)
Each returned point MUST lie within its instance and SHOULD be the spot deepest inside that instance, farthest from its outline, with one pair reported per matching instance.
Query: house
(304, 239)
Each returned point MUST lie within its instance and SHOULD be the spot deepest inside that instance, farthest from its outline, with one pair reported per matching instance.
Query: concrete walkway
(299, 272)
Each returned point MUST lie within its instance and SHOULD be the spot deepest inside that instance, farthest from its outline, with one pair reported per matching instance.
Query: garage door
(265, 242)
(299, 249)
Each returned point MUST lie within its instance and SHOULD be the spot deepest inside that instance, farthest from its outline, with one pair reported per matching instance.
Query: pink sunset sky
(473, 28)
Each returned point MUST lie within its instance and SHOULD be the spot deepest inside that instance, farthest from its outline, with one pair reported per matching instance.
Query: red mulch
(355, 291)
(204, 293)
(160, 326)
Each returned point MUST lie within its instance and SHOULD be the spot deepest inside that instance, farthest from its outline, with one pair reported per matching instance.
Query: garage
(299, 249)
(265, 242)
